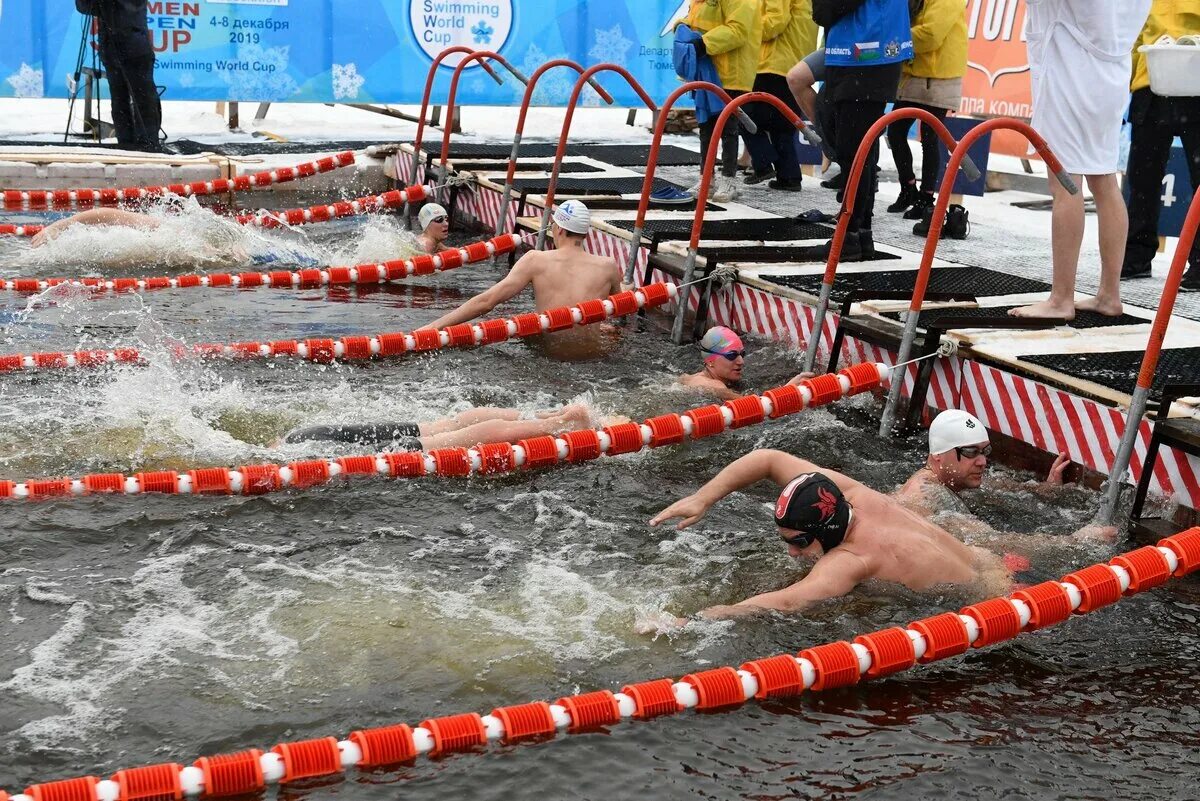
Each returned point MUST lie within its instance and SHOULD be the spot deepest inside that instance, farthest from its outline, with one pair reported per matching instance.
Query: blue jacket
(693, 67)
(875, 33)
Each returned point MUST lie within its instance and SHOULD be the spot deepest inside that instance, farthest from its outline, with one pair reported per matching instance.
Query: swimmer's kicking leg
(569, 418)
(469, 418)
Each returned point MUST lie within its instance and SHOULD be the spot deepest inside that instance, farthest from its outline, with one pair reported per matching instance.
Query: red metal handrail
(478, 55)
(429, 79)
(566, 131)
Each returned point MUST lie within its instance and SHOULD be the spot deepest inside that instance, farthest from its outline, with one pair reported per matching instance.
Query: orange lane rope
(368, 204)
(40, 200)
(819, 667)
(288, 279)
(363, 348)
(483, 459)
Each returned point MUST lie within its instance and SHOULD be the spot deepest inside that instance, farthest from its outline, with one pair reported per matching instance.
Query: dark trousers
(1156, 122)
(850, 121)
(897, 136)
(729, 141)
(774, 145)
(136, 110)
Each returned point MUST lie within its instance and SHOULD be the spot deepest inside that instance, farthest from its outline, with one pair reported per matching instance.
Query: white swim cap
(574, 217)
(955, 429)
(430, 212)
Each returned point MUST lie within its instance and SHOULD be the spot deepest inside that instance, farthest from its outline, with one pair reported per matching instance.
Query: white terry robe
(1080, 60)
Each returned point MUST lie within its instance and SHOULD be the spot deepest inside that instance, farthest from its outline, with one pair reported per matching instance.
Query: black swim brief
(399, 436)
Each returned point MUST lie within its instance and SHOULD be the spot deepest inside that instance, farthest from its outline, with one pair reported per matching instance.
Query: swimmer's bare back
(571, 275)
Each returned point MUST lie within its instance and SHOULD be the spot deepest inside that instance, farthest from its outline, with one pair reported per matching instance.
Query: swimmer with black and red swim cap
(811, 509)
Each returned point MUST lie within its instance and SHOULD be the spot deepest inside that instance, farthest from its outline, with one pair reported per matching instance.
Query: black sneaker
(1191, 279)
(1135, 269)
(758, 177)
(921, 205)
(837, 182)
(908, 196)
(922, 227)
(786, 186)
(866, 244)
(958, 222)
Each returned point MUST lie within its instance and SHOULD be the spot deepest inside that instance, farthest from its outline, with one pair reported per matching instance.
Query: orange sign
(997, 79)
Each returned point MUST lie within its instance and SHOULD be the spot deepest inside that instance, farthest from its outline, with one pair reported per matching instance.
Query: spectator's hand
(802, 377)
(701, 50)
(1055, 477)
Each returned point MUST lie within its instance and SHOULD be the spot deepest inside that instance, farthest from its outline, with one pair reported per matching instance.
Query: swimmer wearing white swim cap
(959, 450)
(561, 277)
(434, 221)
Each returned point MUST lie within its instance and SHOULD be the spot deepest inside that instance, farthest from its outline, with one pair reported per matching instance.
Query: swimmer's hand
(691, 509)
(1055, 477)
(39, 239)
(1096, 533)
(802, 377)
(658, 623)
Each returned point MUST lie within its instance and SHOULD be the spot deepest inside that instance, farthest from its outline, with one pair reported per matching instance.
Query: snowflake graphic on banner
(269, 82)
(26, 82)
(346, 81)
(610, 45)
(483, 32)
(554, 87)
(187, 80)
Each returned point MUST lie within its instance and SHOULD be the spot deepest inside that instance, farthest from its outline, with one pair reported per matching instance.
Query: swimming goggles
(801, 540)
(439, 220)
(731, 355)
(973, 451)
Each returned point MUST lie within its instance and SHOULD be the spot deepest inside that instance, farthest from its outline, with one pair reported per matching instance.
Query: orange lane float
(379, 273)
(363, 348)
(483, 459)
(368, 204)
(40, 200)
(817, 668)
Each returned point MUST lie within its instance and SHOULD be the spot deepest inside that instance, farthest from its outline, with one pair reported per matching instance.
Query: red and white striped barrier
(817, 668)
(380, 273)
(39, 200)
(483, 459)
(363, 348)
(368, 204)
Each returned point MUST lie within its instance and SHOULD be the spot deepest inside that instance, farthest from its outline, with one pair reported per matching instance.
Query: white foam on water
(377, 239)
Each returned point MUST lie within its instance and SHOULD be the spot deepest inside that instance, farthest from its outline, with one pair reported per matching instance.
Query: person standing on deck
(932, 82)
(128, 59)
(866, 42)
(1156, 122)
(731, 35)
(1079, 62)
(788, 34)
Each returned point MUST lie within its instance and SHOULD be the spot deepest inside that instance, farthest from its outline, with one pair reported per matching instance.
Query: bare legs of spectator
(1066, 238)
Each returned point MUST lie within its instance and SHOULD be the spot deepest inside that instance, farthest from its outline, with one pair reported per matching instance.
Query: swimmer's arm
(755, 466)
(128, 219)
(833, 576)
(517, 279)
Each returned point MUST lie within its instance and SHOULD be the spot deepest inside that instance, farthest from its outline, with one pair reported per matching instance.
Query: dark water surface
(149, 629)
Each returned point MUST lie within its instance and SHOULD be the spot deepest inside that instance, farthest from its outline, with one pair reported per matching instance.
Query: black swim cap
(813, 505)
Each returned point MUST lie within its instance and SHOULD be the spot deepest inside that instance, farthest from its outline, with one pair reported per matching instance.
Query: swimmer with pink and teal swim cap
(724, 359)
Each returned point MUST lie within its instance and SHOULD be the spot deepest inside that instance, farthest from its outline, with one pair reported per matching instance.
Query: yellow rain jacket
(1174, 18)
(788, 35)
(732, 31)
(939, 34)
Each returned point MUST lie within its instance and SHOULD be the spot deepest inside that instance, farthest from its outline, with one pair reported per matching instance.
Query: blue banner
(351, 51)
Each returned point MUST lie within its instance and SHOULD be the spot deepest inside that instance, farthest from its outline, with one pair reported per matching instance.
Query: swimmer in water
(855, 534)
(435, 227)
(959, 448)
(724, 360)
(115, 217)
(561, 277)
(465, 430)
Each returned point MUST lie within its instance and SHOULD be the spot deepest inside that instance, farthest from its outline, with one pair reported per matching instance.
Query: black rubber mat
(631, 204)
(979, 281)
(766, 254)
(501, 166)
(618, 155)
(1118, 370)
(1082, 319)
(588, 186)
(773, 229)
